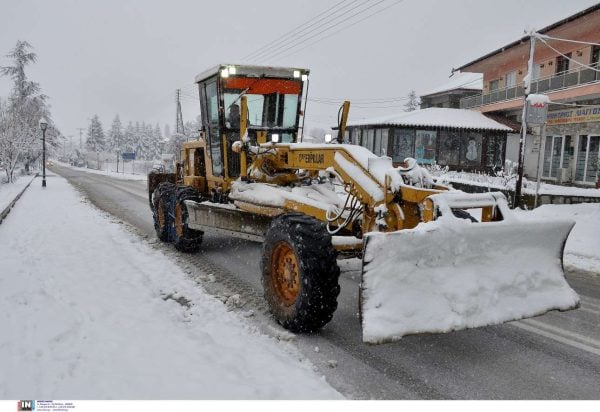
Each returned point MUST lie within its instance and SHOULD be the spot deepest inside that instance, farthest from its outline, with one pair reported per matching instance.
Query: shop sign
(578, 115)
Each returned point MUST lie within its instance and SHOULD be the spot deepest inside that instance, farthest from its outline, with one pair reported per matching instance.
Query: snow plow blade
(443, 277)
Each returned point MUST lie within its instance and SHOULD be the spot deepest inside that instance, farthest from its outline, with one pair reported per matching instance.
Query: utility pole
(81, 129)
(517, 199)
(178, 114)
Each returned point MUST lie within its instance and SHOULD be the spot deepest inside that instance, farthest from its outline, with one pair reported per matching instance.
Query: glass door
(588, 153)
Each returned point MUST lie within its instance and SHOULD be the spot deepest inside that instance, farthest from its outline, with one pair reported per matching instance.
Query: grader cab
(427, 264)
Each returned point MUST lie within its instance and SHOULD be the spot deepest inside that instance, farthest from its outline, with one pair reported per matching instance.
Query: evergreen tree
(413, 102)
(95, 136)
(129, 138)
(115, 135)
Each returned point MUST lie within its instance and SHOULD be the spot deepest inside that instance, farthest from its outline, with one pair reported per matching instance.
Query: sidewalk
(89, 311)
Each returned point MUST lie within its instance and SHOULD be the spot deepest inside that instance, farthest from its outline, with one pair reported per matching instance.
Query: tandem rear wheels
(300, 273)
(171, 216)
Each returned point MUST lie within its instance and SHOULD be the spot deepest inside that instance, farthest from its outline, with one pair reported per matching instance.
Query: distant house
(460, 139)
(448, 95)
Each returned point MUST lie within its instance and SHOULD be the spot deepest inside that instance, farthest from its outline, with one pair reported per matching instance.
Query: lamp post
(43, 126)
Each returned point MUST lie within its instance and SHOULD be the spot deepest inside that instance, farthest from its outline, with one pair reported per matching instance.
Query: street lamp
(43, 126)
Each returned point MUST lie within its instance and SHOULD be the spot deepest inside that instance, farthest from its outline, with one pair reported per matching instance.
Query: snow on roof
(436, 117)
(470, 81)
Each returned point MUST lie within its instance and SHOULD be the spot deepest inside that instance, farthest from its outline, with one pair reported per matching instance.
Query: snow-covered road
(88, 311)
(551, 357)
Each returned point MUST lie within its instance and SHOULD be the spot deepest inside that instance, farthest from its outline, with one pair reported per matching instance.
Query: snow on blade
(441, 277)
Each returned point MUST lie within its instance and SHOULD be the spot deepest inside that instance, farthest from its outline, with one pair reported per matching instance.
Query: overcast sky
(126, 57)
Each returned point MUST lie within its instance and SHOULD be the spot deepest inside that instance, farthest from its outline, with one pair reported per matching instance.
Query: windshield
(272, 103)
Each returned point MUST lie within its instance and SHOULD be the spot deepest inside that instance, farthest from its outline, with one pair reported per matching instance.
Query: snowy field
(89, 311)
(8, 191)
(110, 172)
(582, 251)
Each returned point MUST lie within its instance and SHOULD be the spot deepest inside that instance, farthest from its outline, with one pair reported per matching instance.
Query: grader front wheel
(300, 273)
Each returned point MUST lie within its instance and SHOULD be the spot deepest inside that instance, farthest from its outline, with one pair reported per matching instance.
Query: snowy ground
(8, 191)
(89, 311)
(582, 251)
(110, 171)
(508, 183)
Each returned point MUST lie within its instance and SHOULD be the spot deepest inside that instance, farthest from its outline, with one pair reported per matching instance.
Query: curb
(7, 209)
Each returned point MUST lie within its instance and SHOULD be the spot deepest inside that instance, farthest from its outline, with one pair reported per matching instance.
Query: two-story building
(568, 72)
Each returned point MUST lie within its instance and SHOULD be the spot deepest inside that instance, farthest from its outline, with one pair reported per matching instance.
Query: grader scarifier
(427, 265)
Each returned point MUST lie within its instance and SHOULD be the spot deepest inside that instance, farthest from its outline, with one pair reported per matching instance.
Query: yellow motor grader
(427, 264)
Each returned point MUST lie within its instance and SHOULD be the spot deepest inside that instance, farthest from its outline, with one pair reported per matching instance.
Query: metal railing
(564, 80)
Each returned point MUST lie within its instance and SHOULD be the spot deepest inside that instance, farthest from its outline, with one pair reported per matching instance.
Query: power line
(327, 28)
(567, 57)
(295, 31)
(544, 36)
(345, 27)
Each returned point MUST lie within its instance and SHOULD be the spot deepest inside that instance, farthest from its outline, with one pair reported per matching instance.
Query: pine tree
(129, 138)
(95, 135)
(413, 102)
(115, 135)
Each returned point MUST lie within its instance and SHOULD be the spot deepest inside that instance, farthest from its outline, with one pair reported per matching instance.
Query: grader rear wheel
(300, 273)
(161, 199)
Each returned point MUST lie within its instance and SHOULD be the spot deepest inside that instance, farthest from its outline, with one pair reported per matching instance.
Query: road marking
(558, 335)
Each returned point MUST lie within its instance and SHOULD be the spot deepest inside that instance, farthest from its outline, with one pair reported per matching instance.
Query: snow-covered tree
(19, 131)
(412, 103)
(95, 136)
(129, 138)
(115, 135)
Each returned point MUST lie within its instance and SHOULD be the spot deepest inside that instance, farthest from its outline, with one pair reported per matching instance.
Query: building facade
(448, 95)
(568, 72)
(460, 139)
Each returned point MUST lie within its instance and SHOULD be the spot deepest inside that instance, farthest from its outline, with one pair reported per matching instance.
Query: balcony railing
(558, 81)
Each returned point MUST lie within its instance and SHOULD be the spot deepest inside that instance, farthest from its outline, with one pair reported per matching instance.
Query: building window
(595, 56)
(402, 144)
(425, 142)
(495, 150)
(562, 63)
(356, 136)
(494, 85)
(368, 142)
(557, 154)
(449, 153)
(470, 151)
(511, 79)
(380, 145)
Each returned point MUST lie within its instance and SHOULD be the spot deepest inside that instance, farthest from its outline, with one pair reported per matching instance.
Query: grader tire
(300, 273)
(185, 239)
(161, 200)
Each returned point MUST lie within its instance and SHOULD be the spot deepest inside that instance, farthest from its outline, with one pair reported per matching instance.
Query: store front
(572, 146)
(446, 137)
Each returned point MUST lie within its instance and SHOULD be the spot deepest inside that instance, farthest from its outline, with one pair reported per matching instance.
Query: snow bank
(581, 251)
(110, 172)
(88, 311)
(8, 191)
(452, 274)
